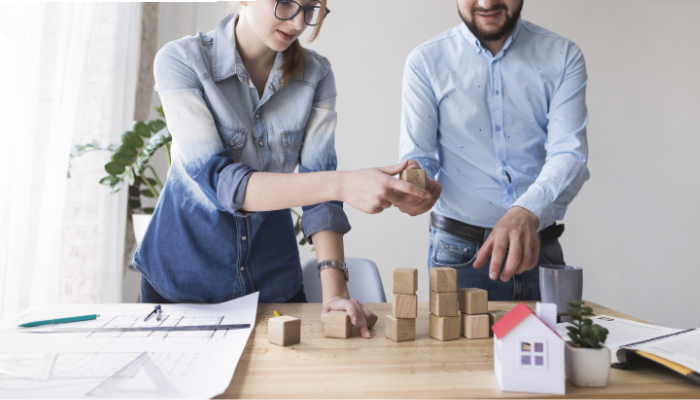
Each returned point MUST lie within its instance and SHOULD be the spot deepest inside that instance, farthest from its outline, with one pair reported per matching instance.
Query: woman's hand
(372, 190)
(361, 317)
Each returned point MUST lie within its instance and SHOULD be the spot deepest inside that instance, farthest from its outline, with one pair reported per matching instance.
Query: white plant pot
(141, 222)
(587, 367)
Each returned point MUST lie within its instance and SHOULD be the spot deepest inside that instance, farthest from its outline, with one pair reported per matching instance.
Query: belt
(477, 234)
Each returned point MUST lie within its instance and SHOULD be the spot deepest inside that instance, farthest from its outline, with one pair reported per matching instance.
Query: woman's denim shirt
(200, 246)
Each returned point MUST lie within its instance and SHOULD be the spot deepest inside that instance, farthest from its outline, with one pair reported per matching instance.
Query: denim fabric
(447, 250)
(200, 246)
(149, 295)
(498, 130)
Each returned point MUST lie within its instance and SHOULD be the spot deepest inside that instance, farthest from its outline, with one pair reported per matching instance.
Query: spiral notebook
(679, 351)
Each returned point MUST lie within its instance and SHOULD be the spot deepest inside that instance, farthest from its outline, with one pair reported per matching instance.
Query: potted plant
(129, 163)
(587, 360)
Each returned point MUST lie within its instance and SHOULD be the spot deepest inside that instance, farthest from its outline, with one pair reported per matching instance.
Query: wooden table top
(321, 367)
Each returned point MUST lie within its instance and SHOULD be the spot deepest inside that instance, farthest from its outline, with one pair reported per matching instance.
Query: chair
(365, 283)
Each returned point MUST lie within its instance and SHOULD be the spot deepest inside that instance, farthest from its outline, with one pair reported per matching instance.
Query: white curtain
(70, 72)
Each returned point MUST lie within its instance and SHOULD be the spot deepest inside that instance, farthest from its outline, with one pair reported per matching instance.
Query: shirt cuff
(327, 216)
(536, 201)
(231, 187)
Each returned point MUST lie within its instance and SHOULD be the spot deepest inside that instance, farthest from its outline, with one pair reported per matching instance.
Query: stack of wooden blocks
(444, 314)
(474, 306)
(401, 325)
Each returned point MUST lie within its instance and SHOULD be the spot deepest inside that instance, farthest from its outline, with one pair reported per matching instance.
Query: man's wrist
(528, 215)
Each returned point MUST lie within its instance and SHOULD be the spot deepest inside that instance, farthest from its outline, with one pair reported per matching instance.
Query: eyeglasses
(288, 9)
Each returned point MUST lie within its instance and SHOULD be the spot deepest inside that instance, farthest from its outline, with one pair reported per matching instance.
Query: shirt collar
(476, 44)
(226, 61)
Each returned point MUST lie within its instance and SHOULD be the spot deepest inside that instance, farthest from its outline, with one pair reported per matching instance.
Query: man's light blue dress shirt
(498, 131)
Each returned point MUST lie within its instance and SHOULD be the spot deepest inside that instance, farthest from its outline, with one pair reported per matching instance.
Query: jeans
(447, 250)
(149, 295)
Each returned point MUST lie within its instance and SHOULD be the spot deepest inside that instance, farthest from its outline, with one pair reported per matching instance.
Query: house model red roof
(510, 320)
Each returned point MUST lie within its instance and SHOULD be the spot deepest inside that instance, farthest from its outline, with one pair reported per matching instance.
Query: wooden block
(284, 330)
(475, 326)
(473, 301)
(400, 329)
(444, 304)
(414, 176)
(495, 316)
(444, 328)
(443, 280)
(405, 306)
(338, 325)
(405, 281)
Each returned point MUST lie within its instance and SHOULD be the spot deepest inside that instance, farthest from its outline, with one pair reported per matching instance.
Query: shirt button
(244, 238)
(498, 128)
(496, 92)
(242, 268)
(257, 116)
(261, 144)
(269, 88)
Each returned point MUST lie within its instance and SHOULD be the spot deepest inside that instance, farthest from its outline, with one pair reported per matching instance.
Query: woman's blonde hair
(293, 57)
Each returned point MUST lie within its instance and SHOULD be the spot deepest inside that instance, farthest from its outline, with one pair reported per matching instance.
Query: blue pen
(156, 309)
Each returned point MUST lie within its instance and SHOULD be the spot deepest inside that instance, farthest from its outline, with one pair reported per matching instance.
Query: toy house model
(528, 353)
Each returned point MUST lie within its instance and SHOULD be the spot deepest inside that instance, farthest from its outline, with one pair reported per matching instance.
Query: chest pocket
(234, 140)
(292, 142)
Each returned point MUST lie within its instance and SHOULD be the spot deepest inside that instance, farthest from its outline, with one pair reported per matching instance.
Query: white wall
(631, 227)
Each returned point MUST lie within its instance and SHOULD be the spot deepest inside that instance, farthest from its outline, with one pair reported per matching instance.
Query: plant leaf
(160, 111)
(109, 180)
(114, 168)
(116, 187)
(142, 129)
(148, 210)
(147, 193)
(128, 150)
(132, 139)
(156, 124)
(130, 177)
(121, 158)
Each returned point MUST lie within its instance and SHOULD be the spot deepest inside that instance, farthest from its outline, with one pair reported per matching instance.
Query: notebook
(634, 343)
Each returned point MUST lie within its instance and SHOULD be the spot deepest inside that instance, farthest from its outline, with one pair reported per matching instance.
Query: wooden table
(321, 367)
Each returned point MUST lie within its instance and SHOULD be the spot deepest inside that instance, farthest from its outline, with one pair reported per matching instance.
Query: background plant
(584, 333)
(130, 159)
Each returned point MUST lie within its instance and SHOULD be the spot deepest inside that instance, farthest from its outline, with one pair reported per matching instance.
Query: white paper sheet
(621, 332)
(127, 364)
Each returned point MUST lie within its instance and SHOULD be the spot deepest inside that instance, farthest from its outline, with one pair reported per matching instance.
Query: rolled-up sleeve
(197, 147)
(564, 170)
(318, 154)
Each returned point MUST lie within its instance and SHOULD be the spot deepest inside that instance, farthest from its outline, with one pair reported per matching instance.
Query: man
(494, 110)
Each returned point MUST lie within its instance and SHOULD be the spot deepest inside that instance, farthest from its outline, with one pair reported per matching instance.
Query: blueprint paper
(190, 364)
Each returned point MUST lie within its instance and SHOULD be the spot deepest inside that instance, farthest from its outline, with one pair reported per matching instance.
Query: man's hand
(414, 205)
(516, 234)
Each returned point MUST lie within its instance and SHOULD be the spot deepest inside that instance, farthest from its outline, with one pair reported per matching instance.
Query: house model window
(533, 354)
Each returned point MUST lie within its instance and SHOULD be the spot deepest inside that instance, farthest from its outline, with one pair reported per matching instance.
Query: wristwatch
(334, 264)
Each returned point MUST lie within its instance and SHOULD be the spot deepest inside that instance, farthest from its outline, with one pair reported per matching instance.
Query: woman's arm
(329, 246)
(369, 190)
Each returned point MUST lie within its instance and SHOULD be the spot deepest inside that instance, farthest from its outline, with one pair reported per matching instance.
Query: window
(533, 354)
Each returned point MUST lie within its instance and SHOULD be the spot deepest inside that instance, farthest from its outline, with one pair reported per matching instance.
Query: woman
(245, 105)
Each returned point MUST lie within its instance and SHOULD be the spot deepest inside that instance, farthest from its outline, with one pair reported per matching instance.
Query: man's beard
(508, 26)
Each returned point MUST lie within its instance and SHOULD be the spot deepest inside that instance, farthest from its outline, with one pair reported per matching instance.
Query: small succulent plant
(584, 333)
